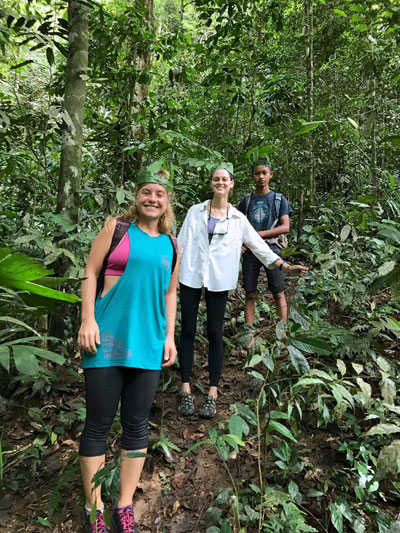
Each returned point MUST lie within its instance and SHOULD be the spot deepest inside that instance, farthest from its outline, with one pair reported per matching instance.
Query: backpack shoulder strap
(247, 199)
(174, 242)
(277, 201)
(121, 227)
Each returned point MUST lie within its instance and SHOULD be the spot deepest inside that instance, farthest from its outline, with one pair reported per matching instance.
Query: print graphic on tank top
(113, 348)
(166, 263)
(259, 212)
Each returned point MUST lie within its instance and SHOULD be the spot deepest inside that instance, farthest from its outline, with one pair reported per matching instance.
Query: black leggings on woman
(216, 303)
(105, 387)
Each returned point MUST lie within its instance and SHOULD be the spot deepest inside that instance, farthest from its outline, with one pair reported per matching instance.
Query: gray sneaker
(209, 408)
(186, 406)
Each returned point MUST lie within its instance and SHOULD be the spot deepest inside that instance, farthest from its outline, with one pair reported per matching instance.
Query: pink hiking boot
(98, 526)
(123, 520)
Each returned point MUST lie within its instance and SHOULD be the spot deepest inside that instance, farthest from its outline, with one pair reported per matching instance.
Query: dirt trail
(174, 492)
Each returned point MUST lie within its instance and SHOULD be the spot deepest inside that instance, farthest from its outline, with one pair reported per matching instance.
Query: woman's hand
(295, 270)
(89, 336)
(169, 352)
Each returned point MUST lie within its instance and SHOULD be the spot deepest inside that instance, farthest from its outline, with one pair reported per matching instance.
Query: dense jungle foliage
(313, 85)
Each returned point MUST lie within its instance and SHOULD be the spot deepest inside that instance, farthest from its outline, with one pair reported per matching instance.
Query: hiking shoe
(186, 407)
(123, 520)
(98, 526)
(209, 408)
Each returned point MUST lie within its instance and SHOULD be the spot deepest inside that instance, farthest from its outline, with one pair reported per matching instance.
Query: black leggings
(216, 303)
(105, 387)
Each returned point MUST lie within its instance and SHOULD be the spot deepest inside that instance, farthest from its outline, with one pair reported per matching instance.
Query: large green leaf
(45, 354)
(337, 517)
(388, 390)
(394, 139)
(299, 361)
(365, 393)
(247, 413)
(309, 126)
(310, 345)
(309, 381)
(232, 440)
(390, 233)
(383, 429)
(238, 426)
(339, 392)
(25, 361)
(393, 325)
(280, 428)
(53, 281)
(29, 339)
(43, 291)
(226, 527)
(389, 461)
(5, 357)
(298, 318)
(18, 271)
(26, 358)
(274, 497)
(18, 322)
(392, 280)
(15, 266)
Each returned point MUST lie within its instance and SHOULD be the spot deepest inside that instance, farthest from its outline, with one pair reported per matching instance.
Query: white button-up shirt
(215, 265)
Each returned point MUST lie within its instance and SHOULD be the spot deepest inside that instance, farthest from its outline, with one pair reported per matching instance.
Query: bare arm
(283, 227)
(89, 336)
(170, 306)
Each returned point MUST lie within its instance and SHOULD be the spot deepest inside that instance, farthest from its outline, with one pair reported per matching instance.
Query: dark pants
(216, 303)
(105, 387)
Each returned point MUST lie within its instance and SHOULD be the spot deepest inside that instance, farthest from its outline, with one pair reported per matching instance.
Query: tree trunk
(309, 27)
(75, 88)
(139, 91)
(69, 179)
(374, 166)
(309, 64)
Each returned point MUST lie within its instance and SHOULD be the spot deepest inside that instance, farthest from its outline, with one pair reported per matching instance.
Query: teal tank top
(131, 316)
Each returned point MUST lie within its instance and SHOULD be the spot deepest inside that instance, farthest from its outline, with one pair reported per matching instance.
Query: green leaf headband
(146, 176)
(261, 161)
(224, 165)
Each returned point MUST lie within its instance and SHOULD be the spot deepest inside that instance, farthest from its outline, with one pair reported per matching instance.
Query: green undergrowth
(325, 422)
(322, 417)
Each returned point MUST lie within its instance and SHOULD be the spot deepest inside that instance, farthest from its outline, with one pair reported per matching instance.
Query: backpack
(121, 227)
(280, 241)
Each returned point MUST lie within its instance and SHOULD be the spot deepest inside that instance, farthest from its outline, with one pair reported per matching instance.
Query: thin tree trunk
(309, 20)
(141, 90)
(75, 88)
(309, 27)
(374, 167)
(309, 64)
(300, 215)
(69, 179)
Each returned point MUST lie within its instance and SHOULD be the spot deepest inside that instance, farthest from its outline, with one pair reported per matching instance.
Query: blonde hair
(166, 220)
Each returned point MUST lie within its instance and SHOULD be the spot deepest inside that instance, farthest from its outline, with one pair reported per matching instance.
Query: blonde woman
(127, 336)
(211, 239)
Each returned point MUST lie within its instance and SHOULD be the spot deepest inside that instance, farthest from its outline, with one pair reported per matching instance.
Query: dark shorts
(251, 271)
